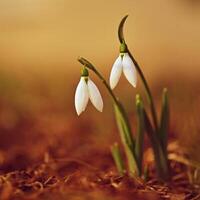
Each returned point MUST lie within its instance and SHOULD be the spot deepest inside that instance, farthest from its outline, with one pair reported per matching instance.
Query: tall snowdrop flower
(86, 90)
(123, 64)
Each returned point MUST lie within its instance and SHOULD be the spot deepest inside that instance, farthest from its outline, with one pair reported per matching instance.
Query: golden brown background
(46, 35)
(40, 41)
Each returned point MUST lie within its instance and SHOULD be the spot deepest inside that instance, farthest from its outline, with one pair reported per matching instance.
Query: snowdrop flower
(86, 90)
(123, 64)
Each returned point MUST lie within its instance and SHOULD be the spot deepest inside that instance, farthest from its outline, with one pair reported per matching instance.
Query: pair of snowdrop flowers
(86, 88)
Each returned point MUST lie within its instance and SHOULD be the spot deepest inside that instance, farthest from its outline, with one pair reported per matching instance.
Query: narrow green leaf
(120, 29)
(160, 156)
(115, 150)
(126, 138)
(122, 118)
(146, 173)
(164, 121)
(139, 141)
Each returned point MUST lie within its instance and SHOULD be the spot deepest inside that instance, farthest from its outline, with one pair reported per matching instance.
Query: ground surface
(76, 179)
(47, 152)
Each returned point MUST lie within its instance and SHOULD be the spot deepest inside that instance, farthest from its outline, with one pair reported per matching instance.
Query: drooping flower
(86, 90)
(123, 64)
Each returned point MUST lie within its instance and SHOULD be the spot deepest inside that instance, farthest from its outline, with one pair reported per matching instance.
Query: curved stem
(147, 89)
(122, 121)
(160, 155)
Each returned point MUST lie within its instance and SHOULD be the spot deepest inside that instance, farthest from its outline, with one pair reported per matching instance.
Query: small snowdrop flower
(86, 90)
(123, 64)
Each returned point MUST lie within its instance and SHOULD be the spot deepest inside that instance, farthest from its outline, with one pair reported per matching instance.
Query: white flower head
(123, 64)
(86, 90)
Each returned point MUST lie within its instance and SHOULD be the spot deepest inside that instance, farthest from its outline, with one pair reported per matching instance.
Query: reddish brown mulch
(74, 179)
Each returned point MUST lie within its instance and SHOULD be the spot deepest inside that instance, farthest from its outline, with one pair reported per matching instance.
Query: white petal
(129, 70)
(95, 95)
(81, 96)
(116, 72)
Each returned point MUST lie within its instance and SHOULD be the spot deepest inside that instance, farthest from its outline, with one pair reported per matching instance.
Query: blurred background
(40, 41)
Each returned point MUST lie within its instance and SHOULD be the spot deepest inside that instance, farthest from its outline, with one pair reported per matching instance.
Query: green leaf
(139, 141)
(164, 121)
(122, 120)
(120, 29)
(146, 173)
(115, 150)
(126, 138)
(160, 156)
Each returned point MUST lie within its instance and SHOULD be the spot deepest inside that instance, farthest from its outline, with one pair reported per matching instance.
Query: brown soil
(75, 179)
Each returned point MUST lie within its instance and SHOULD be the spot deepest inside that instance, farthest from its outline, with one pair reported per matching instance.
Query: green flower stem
(147, 89)
(153, 133)
(115, 150)
(122, 121)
